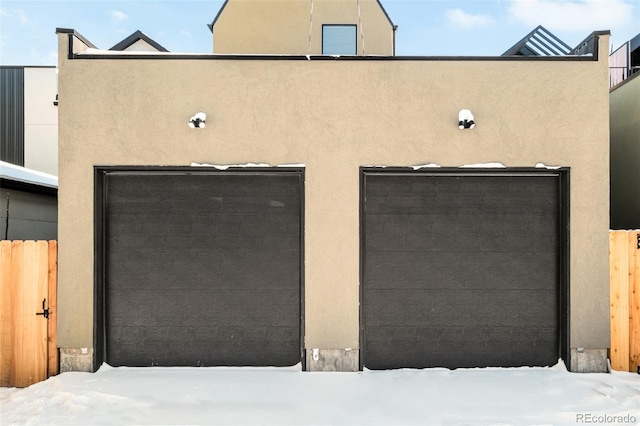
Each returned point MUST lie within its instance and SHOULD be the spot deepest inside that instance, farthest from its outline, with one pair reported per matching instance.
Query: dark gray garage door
(202, 268)
(461, 269)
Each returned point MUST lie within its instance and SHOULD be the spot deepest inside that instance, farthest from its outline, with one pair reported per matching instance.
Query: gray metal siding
(32, 216)
(12, 115)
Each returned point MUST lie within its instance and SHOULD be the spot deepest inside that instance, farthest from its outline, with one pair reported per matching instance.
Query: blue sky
(426, 27)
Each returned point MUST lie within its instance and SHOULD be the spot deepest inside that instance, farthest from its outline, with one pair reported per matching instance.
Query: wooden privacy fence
(28, 278)
(624, 270)
(28, 281)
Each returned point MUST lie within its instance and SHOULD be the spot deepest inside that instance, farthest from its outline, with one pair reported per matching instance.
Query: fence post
(52, 367)
(6, 313)
(634, 300)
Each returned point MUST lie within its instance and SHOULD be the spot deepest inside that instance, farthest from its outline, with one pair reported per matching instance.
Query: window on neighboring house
(339, 40)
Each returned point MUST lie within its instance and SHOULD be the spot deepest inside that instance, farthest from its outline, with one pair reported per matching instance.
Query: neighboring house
(139, 42)
(28, 152)
(539, 42)
(28, 204)
(360, 227)
(625, 61)
(350, 27)
(29, 118)
(624, 98)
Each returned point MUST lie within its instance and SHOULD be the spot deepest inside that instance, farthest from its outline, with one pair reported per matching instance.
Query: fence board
(6, 313)
(40, 323)
(52, 367)
(619, 299)
(29, 338)
(634, 300)
(19, 275)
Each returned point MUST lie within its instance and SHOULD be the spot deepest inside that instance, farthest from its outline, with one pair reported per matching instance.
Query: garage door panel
(131, 193)
(216, 269)
(457, 194)
(454, 308)
(204, 346)
(204, 231)
(460, 270)
(431, 347)
(214, 203)
(449, 232)
(203, 267)
(186, 308)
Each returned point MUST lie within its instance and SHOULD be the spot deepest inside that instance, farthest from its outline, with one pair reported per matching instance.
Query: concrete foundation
(76, 359)
(333, 359)
(589, 360)
(582, 360)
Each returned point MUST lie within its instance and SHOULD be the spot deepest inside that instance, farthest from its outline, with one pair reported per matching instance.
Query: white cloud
(577, 15)
(118, 16)
(460, 18)
(185, 33)
(17, 14)
(24, 19)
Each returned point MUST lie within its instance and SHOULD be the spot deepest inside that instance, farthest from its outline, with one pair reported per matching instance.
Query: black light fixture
(198, 121)
(465, 120)
(55, 103)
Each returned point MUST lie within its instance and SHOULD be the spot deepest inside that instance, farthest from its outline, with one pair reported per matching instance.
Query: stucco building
(303, 28)
(360, 226)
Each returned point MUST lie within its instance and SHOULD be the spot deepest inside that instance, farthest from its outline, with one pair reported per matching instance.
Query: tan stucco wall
(335, 116)
(285, 26)
(625, 155)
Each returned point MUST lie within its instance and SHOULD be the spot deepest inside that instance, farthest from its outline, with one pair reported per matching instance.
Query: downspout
(393, 50)
(6, 229)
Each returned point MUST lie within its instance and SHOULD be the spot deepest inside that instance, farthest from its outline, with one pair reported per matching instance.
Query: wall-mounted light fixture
(55, 103)
(465, 120)
(198, 120)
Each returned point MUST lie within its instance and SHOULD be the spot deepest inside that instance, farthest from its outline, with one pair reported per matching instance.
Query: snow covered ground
(287, 396)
